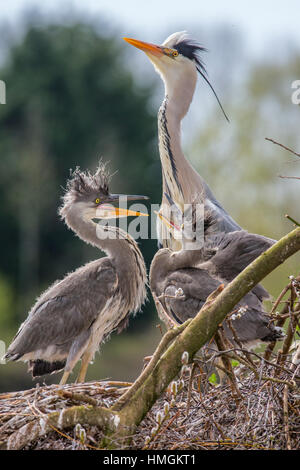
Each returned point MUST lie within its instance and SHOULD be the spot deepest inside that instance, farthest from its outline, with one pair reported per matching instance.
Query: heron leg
(86, 359)
(64, 378)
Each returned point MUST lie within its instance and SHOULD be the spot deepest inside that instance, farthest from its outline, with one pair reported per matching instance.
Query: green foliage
(213, 379)
(6, 308)
(71, 99)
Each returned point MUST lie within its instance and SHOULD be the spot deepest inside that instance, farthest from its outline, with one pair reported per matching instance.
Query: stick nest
(228, 398)
(263, 412)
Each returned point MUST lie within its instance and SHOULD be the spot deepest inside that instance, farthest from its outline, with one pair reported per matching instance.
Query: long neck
(167, 261)
(180, 180)
(92, 233)
(122, 249)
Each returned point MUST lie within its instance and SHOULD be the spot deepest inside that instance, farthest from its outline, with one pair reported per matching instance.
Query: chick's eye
(97, 201)
(175, 53)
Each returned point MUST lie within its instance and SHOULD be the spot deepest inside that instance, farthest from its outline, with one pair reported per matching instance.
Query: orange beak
(147, 47)
(167, 222)
(107, 211)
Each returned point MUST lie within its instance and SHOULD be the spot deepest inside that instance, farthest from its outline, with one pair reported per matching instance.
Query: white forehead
(174, 38)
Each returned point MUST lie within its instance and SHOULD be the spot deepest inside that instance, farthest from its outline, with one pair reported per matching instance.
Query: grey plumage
(182, 281)
(73, 316)
(179, 62)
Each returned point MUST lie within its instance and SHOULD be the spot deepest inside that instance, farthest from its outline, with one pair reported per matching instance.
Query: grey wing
(185, 292)
(65, 310)
(254, 324)
(236, 251)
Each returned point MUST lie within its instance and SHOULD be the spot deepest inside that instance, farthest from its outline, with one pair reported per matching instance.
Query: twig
(118, 427)
(291, 219)
(162, 430)
(283, 146)
(254, 370)
(270, 348)
(282, 354)
(279, 298)
(77, 397)
(236, 339)
(286, 418)
(289, 177)
(192, 373)
(228, 367)
(164, 342)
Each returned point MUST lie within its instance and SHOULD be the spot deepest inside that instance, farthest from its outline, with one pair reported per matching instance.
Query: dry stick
(269, 349)
(282, 354)
(236, 339)
(280, 297)
(228, 367)
(295, 361)
(218, 427)
(190, 386)
(286, 418)
(289, 178)
(81, 397)
(162, 430)
(193, 337)
(66, 418)
(254, 370)
(283, 146)
(296, 224)
(166, 339)
(204, 325)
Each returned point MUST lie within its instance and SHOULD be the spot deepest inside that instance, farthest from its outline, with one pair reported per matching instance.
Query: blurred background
(76, 91)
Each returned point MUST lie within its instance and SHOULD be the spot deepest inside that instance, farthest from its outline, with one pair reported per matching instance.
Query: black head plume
(192, 50)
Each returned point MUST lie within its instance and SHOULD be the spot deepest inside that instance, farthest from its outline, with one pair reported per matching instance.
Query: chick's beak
(108, 211)
(147, 47)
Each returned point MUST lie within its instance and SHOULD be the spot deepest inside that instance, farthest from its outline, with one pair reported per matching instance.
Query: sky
(261, 20)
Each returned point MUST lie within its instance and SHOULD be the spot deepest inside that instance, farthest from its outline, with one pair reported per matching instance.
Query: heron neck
(122, 250)
(179, 177)
(169, 261)
(112, 240)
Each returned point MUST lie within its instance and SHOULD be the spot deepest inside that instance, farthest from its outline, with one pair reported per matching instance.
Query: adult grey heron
(181, 281)
(178, 61)
(73, 316)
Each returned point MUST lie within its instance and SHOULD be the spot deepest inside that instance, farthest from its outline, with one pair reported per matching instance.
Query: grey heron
(178, 61)
(73, 316)
(181, 281)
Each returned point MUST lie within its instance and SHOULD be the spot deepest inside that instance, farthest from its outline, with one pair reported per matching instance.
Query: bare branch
(283, 146)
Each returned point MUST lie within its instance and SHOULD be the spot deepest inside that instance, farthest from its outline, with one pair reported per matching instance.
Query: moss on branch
(121, 420)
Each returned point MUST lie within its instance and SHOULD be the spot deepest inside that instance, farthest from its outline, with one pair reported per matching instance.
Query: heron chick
(73, 316)
(196, 274)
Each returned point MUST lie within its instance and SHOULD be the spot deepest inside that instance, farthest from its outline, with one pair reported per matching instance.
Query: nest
(256, 410)
(228, 398)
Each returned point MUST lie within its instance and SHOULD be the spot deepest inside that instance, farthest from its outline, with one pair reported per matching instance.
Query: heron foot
(64, 378)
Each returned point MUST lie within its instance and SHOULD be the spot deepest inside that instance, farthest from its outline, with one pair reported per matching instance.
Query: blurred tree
(70, 100)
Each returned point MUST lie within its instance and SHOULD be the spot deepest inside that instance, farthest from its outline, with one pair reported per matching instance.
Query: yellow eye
(175, 53)
(97, 201)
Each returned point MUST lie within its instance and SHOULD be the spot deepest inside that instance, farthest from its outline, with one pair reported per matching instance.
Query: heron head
(88, 194)
(177, 60)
